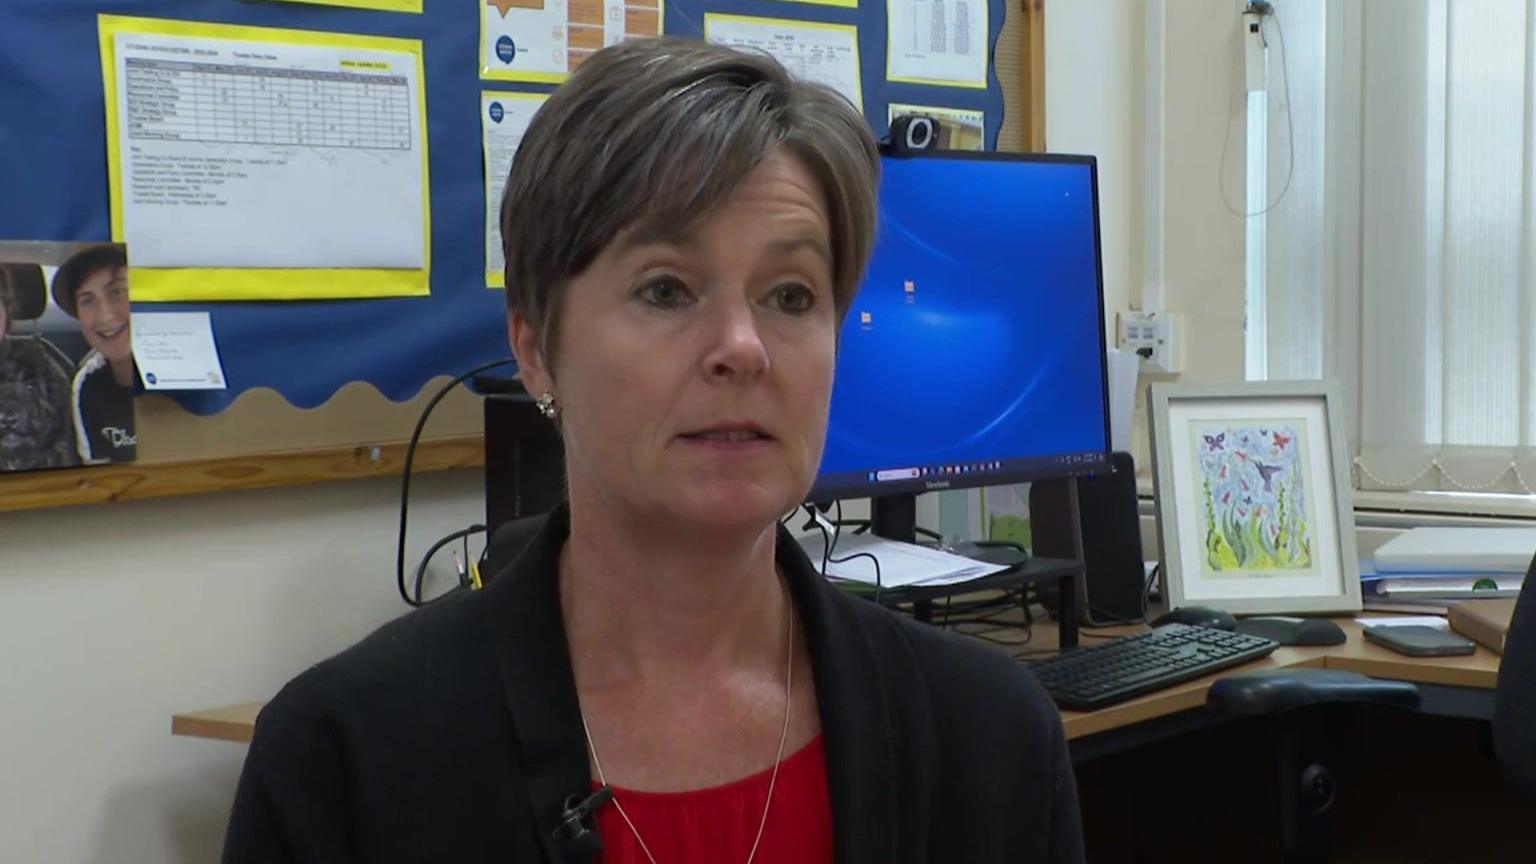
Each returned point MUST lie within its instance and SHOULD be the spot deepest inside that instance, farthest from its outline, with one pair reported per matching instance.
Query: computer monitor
(974, 353)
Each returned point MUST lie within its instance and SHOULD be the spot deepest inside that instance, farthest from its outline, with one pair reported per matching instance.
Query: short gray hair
(659, 132)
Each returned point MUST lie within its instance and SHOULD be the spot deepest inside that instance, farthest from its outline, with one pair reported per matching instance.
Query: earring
(547, 407)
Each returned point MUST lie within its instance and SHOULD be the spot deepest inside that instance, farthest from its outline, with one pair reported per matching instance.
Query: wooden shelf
(130, 482)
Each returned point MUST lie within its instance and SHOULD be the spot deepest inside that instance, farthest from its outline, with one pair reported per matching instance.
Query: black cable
(879, 582)
(410, 456)
(1263, 10)
(421, 569)
(829, 542)
(858, 555)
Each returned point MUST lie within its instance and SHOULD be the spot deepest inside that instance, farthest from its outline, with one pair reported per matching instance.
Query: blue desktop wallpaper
(995, 350)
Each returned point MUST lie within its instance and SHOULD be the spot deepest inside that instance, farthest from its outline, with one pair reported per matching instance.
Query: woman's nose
(738, 352)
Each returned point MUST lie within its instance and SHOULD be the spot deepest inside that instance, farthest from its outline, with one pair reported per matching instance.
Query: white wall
(1146, 86)
(1093, 105)
(1202, 240)
(114, 617)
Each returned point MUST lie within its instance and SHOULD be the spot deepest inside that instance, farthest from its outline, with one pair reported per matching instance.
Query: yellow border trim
(986, 60)
(842, 4)
(851, 29)
(494, 278)
(210, 283)
(412, 6)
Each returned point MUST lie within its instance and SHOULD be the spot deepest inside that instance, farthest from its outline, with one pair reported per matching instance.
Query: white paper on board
(826, 54)
(260, 154)
(938, 41)
(176, 351)
(504, 119)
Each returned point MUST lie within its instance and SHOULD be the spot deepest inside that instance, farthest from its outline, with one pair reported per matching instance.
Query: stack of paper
(901, 564)
(1429, 567)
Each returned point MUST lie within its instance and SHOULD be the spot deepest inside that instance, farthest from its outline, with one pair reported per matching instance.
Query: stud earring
(547, 407)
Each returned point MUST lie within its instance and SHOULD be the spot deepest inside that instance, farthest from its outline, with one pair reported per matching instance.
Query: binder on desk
(1484, 621)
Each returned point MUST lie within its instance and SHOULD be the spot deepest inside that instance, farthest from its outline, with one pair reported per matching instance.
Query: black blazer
(1514, 706)
(453, 734)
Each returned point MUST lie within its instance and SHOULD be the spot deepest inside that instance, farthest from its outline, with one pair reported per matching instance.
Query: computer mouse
(1293, 631)
(1198, 616)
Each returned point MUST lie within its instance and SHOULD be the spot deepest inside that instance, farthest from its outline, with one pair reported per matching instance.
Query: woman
(1514, 705)
(92, 286)
(685, 226)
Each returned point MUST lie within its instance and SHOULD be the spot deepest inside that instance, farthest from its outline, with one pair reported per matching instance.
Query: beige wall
(1148, 88)
(1093, 105)
(114, 617)
(1203, 245)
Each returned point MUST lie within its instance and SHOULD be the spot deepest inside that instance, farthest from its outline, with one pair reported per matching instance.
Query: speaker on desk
(1111, 537)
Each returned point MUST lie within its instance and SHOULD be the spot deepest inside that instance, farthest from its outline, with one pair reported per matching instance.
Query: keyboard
(1087, 678)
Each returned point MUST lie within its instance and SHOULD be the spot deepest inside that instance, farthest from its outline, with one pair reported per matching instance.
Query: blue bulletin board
(53, 178)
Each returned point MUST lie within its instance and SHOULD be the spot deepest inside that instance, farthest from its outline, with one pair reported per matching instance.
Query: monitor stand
(894, 517)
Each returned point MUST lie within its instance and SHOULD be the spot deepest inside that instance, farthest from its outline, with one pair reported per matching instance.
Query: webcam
(911, 133)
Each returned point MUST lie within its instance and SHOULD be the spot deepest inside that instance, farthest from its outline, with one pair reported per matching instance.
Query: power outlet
(1153, 337)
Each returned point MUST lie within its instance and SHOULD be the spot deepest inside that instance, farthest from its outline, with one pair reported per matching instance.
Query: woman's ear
(524, 339)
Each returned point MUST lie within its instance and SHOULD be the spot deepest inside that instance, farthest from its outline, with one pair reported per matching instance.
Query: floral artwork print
(1253, 489)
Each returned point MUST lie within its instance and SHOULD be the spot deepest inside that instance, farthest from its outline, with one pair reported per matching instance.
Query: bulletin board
(286, 362)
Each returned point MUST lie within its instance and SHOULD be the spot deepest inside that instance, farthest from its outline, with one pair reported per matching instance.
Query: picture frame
(1254, 503)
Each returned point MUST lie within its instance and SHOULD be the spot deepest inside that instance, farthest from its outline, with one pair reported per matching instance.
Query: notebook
(1486, 621)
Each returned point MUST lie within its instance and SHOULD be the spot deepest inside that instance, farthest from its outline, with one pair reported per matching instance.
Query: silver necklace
(773, 779)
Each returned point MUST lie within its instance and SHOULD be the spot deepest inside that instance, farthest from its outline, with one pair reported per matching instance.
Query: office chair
(1298, 706)
(1514, 702)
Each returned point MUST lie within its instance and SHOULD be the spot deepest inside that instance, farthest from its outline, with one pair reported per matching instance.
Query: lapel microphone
(579, 843)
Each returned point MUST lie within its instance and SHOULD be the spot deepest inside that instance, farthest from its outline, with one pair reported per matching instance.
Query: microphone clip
(579, 843)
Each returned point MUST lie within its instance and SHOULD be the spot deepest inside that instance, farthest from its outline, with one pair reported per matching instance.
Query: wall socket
(1154, 337)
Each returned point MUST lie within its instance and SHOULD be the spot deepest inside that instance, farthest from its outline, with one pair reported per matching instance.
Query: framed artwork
(1253, 498)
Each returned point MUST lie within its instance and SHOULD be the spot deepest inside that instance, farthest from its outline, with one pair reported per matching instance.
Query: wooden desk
(230, 723)
(1478, 671)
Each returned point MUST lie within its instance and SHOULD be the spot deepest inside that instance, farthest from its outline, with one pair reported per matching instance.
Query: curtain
(1292, 212)
(1401, 264)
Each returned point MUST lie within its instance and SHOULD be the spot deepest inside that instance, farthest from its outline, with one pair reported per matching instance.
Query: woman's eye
(665, 292)
(794, 298)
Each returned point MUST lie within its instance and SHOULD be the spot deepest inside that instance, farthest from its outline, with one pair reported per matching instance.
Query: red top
(718, 825)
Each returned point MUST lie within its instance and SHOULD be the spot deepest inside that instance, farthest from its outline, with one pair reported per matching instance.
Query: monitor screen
(974, 352)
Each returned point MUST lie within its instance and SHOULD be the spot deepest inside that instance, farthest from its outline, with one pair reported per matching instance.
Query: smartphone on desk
(1419, 641)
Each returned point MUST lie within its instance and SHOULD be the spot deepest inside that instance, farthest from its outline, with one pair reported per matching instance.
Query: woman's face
(695, 371)
(101, 303)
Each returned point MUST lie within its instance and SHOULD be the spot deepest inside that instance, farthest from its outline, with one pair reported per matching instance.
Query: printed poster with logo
(543, 40)
(67, 374)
